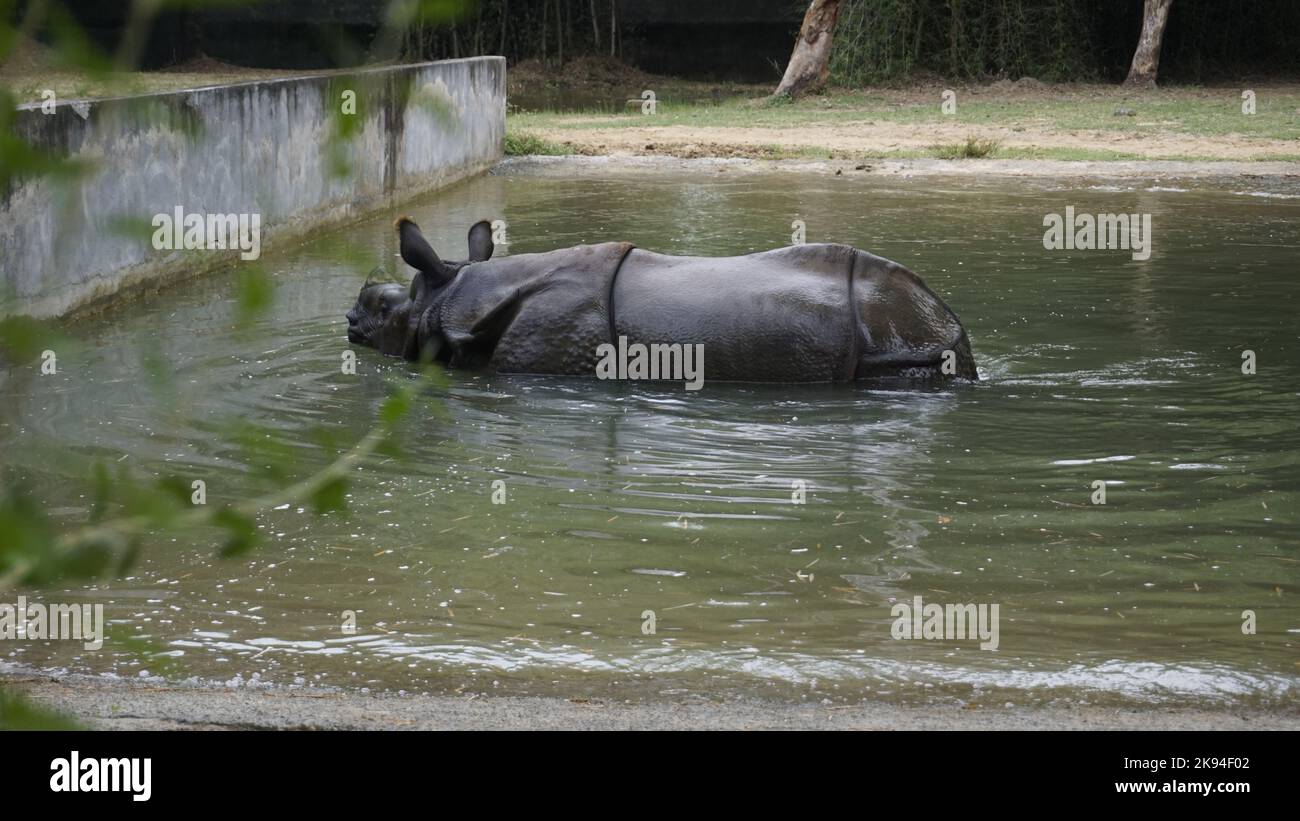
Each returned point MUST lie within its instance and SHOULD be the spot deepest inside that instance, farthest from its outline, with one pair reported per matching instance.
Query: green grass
(1193, 111)
(973, 149)
(521, 143)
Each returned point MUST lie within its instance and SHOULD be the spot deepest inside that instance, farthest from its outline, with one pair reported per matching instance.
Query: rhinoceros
(804, 313)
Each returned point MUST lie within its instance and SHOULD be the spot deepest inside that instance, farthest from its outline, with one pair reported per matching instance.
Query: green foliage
(126, 512)
(8, 34)
(240, 532)
(22, 339)
(331, 496)
(879, 40)
(17, 713)
(73, 48)
(1057, 40)
(519, 30)
(973, 148)
(254, 294)
(520, 144)
(19, 159)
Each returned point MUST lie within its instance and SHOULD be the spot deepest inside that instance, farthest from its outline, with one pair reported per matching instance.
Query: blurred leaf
(391, 446)
(395, 407)
(264, 453)
(437, 410)
(18, 159)
(254, 295)
(73, 48)
(326, 438)
(346, 254)
(157, 370)
(25, 532)
(102, 488)
(438, 104)
(403, 13)
(17, 713)
(164, 5)
(23, 339)
(132, 227)
(167, 113)
(86, 558)
(241, 532)
(177, 488)
(89, 559)
(348, 124)
(8, 34)
(340, 160)
(127, 560)
(331, 496)
(143, 500)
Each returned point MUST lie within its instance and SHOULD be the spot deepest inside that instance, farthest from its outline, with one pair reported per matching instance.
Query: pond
(652, 542)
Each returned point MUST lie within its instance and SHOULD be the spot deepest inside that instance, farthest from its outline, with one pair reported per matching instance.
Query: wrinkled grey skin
(806, 313)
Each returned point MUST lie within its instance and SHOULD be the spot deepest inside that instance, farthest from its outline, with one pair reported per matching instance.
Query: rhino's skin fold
(805, 313)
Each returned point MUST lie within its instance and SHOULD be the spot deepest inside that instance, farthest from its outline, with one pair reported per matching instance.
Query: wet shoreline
(607, 164)
(117, 704)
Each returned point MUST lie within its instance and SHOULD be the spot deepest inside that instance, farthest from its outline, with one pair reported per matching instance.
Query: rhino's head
(387, 315)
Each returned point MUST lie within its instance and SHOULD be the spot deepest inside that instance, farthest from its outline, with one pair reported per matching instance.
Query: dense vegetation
(1060, 39)
(970, 39)
(875, 40)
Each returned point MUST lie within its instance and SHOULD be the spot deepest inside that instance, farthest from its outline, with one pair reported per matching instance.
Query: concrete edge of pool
(270, 149)
(108, 704)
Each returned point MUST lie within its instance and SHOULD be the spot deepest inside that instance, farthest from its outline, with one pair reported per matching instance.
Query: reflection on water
(623, 499)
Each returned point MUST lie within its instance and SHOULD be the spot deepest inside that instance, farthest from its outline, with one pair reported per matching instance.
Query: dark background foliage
(750, 40)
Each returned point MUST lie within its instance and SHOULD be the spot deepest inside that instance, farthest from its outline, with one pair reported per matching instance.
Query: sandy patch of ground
(868, 138)
(1025, 118)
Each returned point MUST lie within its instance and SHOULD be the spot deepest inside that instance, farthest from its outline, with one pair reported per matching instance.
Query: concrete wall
(265, 147)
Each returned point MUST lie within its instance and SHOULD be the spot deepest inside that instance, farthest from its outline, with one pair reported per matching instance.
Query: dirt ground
(1025, 119)
(121, 705)
(867, 138)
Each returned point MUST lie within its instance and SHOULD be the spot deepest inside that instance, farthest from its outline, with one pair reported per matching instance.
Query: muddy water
(623, 499)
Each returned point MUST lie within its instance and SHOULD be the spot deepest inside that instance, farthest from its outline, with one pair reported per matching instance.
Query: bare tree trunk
(559, 29)
(545, 6)
(1146, 59)
(595, 26)
(613, 25)
(505, 15)
(809, 66)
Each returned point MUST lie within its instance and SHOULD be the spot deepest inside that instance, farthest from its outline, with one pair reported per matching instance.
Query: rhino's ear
(419, 254)
(480, 241)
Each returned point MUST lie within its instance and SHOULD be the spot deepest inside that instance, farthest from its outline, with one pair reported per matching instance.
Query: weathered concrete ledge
(289, 150)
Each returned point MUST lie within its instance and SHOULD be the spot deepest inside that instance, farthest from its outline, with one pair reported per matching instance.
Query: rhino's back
(805, 313)
(780, 315)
